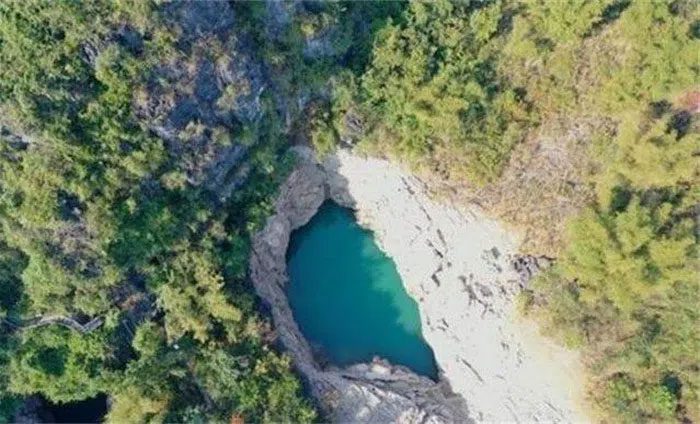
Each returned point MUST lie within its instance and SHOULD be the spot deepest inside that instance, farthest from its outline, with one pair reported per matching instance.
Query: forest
(142, 143)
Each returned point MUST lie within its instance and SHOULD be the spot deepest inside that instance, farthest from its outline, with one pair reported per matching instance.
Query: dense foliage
(97, 221)
(454, 87)
(626, 287)
(113, 204)
(432, 82)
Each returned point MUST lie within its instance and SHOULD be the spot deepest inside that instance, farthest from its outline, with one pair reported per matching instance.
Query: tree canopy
(99, 219)
(142, 143)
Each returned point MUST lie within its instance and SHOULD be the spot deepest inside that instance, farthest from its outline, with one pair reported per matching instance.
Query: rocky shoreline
(457, 265)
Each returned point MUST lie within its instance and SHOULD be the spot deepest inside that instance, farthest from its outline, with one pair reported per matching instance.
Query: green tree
(651, 154)
(659, 58)
(192, 297)
(434, 91)
(98, 219)
(631, 255)
(59, 363)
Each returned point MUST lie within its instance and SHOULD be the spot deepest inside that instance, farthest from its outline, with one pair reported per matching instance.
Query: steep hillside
(577, 122)
(142, 144)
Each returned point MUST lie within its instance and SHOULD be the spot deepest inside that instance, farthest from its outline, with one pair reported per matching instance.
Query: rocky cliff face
(204, 95)
(457, 265)
(376, 392)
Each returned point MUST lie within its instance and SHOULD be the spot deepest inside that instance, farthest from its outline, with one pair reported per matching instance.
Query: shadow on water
(348, 298)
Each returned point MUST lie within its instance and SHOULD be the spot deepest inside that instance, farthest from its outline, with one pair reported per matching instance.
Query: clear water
(347, 296)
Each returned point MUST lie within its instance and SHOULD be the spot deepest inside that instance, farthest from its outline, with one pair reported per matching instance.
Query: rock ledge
(457, 264)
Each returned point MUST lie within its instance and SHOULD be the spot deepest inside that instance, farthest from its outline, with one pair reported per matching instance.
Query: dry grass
(544, 184)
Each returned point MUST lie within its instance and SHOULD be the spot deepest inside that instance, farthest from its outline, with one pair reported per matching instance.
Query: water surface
(348, 298)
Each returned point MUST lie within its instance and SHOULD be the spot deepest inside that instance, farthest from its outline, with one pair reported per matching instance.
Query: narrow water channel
(348, 298)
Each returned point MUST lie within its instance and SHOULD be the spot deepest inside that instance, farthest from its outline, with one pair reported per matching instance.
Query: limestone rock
(527, 266)
(379, 392)
(456, 263)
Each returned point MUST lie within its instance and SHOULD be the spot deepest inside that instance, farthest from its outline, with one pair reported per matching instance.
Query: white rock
(454, 262)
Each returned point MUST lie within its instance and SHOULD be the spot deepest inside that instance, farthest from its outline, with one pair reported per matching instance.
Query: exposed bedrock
(457, 264)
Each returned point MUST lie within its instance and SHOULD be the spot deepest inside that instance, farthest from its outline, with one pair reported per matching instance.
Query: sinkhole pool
(348, 298)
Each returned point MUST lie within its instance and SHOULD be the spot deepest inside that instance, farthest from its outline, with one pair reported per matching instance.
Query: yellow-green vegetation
(97, 219)
(626, 288)
(438, 101)
(107, 212)
(454, 87)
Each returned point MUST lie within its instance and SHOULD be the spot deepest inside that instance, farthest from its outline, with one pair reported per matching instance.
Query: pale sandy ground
(455, 263)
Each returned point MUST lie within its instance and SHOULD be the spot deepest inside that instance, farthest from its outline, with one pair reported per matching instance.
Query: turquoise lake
(348, 298)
